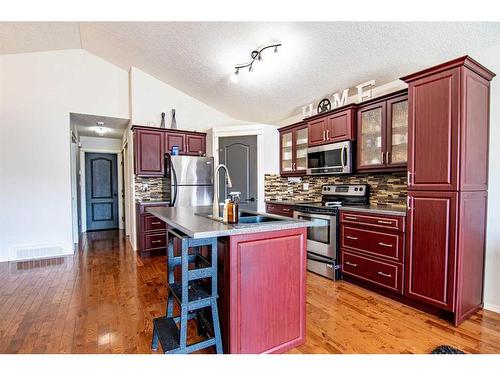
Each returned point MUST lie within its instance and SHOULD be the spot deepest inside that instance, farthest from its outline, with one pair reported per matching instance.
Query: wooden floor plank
(103, 300)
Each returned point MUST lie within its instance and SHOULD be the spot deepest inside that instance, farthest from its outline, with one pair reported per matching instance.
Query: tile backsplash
(151, 189)
(387, 189)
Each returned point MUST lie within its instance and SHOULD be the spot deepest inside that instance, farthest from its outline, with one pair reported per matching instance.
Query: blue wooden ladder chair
(193, 294)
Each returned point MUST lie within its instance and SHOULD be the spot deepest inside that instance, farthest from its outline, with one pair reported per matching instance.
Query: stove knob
(355, 189)
(360, 189)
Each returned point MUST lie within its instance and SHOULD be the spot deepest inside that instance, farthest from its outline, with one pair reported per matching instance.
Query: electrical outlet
(145, 187)
(305, 186)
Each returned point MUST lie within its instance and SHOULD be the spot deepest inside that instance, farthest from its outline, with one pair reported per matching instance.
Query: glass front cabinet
(382, 134)
(293, 150)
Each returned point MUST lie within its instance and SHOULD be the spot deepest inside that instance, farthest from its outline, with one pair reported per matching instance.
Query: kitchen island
(261, 276)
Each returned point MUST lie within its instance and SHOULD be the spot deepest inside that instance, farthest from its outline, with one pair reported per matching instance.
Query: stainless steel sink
(255, 219)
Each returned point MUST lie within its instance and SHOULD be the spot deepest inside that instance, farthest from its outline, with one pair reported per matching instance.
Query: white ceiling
(85, 125)
(316, 59)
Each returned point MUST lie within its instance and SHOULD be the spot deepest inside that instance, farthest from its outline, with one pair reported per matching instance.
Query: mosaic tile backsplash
(387, 190)
(157, 189)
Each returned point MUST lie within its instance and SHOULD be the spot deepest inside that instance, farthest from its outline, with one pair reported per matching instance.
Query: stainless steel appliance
(191, 180)
(323, 235)
(335, 158)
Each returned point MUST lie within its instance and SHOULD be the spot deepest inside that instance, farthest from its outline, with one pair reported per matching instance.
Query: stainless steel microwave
(335, 158)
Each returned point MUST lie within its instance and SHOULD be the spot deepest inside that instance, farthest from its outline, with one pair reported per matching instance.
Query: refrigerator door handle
(174, 175)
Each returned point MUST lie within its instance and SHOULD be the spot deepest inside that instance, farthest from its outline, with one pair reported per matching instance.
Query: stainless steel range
(323, 235)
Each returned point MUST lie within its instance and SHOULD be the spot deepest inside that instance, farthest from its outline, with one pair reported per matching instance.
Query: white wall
(38, 91)
(150, 97)
(101, 143)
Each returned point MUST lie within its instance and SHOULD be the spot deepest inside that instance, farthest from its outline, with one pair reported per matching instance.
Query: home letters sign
(364, 92)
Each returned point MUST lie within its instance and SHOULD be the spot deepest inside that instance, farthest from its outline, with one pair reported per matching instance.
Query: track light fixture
(256, 55)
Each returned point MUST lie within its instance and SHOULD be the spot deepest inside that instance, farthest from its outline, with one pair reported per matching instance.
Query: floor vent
(40, 251)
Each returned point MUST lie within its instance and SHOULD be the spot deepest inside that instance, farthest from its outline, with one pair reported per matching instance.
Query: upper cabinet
(149, 150)
(382, 133)
(293, 149)
(334, 126)
(448, 127)
(151, 144)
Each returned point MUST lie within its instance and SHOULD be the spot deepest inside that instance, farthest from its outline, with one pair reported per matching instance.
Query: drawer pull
(351, 218)
(384, 222)
(156, 222)
(352, 238)
(286, 209)
(385, 244)
(156, 241)
(384, 274)
(351, 264)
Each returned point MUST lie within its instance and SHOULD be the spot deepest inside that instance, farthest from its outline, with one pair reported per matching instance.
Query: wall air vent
(36, 251)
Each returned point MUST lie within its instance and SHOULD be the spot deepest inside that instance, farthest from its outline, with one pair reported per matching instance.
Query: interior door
(101, 191)
(239, 154)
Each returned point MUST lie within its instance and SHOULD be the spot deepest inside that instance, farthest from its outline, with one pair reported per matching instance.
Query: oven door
(322, 235)
(335, 158)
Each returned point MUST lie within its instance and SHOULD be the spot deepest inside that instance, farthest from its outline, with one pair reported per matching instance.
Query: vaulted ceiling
(316, 59)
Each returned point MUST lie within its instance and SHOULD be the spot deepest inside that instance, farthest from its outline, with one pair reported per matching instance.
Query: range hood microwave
(335, 158)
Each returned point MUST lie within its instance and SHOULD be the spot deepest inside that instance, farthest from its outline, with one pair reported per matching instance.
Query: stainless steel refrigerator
(191, 180)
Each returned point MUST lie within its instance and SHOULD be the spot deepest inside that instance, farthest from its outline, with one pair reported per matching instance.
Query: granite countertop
(290, 202)
(188, 221)
(376, 210)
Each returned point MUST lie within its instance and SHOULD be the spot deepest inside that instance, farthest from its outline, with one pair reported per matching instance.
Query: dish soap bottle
(225, 210)
(233, 209)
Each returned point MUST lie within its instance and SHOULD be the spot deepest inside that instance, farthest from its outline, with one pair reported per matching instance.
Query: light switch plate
(305, 186)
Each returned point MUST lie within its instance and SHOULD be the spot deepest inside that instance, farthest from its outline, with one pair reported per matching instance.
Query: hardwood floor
(102, 300)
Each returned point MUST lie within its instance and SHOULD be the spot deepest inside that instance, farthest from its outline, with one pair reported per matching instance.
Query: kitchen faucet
(215, 206)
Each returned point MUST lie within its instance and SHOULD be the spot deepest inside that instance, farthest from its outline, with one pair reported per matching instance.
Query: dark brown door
(149, 152)
(195, 144)
(101, 191)
(371, 136)
(175, 139)
(433, 132)
(431, 250)
(317, 131)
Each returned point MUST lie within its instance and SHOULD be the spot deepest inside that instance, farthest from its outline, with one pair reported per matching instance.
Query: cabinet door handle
(409, 178)
(351, 264)
(156, 222)
(387, 157)
(385, 244)
(383, 157)
(328, 134)
(408, 203)
(351, 218)
(384, 222)
(156, 241)
(384, 274)
(352, 238)
(324, 135)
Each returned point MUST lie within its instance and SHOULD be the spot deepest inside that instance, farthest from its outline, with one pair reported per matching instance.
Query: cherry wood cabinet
(151, 231)
(149, 149)
(447, 181)
(151, 144)
(293, 149)
(334, 126)
(279, 209)
(382, 126)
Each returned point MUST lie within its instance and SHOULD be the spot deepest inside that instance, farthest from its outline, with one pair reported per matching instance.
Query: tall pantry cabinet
(447, 185)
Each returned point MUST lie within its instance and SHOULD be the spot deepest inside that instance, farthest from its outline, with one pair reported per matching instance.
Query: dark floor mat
(445, 349)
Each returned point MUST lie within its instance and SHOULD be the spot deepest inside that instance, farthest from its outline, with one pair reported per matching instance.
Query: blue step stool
(192, 294)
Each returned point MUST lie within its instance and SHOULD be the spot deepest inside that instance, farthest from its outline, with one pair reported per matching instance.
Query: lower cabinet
(279, 209)
(151, 231)
(372, 249)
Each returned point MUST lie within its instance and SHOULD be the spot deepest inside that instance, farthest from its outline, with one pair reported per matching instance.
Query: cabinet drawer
(379, 221)
(279, 209)
(156, 240)
(153, 223)
(387, 245)
(384, 274)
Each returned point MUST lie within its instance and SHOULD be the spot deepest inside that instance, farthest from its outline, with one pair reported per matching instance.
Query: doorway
(101, 191)
(239, 154)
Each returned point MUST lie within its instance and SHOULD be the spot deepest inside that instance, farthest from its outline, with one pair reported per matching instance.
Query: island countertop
(190, 221)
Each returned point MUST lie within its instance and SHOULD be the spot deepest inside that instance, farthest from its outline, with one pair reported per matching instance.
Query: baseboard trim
(493, 308)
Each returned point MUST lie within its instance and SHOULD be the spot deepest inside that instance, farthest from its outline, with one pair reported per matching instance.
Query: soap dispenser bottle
(233, 209)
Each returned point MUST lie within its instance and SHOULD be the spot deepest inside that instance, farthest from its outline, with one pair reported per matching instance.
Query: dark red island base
(262, 291)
